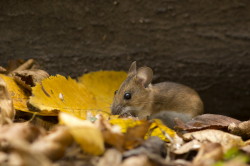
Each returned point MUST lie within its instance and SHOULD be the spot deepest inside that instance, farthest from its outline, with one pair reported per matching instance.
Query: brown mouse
(167, 100)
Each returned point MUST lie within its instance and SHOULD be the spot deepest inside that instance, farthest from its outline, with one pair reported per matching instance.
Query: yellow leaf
(18, 95)
(58, 93)
(85, 133)
(125, 123)
(160, 130)
(88, 99)
(103, 84)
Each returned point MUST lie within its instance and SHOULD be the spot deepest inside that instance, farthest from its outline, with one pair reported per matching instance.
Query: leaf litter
(54, 120)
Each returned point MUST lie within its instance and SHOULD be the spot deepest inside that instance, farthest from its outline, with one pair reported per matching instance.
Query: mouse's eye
(115, 92)
(127, 96)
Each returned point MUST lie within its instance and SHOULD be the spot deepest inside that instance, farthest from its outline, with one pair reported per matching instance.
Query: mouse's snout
(116, 109)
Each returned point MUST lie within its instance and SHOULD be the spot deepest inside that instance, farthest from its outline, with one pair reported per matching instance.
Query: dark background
(203, 44)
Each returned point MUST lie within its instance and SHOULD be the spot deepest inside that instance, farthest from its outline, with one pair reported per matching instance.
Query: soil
(203, 44)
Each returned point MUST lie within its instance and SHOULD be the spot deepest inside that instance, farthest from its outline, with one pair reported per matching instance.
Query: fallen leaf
(242, 129)
(216, 136)
(185, 148)
(112, 157)
(135, 135)
(29, 78)
(23, 131)
(7, 111)
(141, 160)
(46, 122)
(160, 130)
(2, 69)
(233, 157)
(111, 133)
(103, 84)
(18, 95)
(153, 145)
(19, 153)
(206, 121)
(23, 66)
(85, 133)
(208, 154)
(124, 134)
(54, 144)
(126, 123)
(237, 161)
(246, 149)
(57, 93)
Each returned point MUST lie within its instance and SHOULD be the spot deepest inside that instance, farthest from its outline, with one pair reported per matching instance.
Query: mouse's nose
(116, 109)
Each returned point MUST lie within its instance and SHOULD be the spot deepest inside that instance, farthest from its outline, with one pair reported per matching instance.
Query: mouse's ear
(145, 75)
(132, 69)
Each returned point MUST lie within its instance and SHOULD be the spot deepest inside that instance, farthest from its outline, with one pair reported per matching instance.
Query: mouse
(138, 97)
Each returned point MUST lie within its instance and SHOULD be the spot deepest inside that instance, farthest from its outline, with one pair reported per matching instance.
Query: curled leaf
(85, 133)
(29, 78)
(216, 136)
(18, 95)
(7, 111)
(208, 154)
(19, 66)
(191, 145)
(122, 134)
(241, 129)
(206, 121)
(112, 134)
(2, 69)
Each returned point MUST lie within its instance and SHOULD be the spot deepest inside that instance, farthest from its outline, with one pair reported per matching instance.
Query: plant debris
(53, 120)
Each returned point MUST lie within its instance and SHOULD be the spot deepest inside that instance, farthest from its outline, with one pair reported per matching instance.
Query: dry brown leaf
(111, 134)
(22, 131)
(29, 78)
(141, 160)
(7, 111)
(241, 129)
(216, 136)
(208, 154)
(112, 157)
(153, 146)
(54, 144)
(246, 149)
(2, 69)
(13, 64)
(135, 135)
(24, 66)
(18, 152)
(185, 148)
(206, 121)
(46, 122)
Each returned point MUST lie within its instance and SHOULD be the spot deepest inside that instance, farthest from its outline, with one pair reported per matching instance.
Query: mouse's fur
(165, 100)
